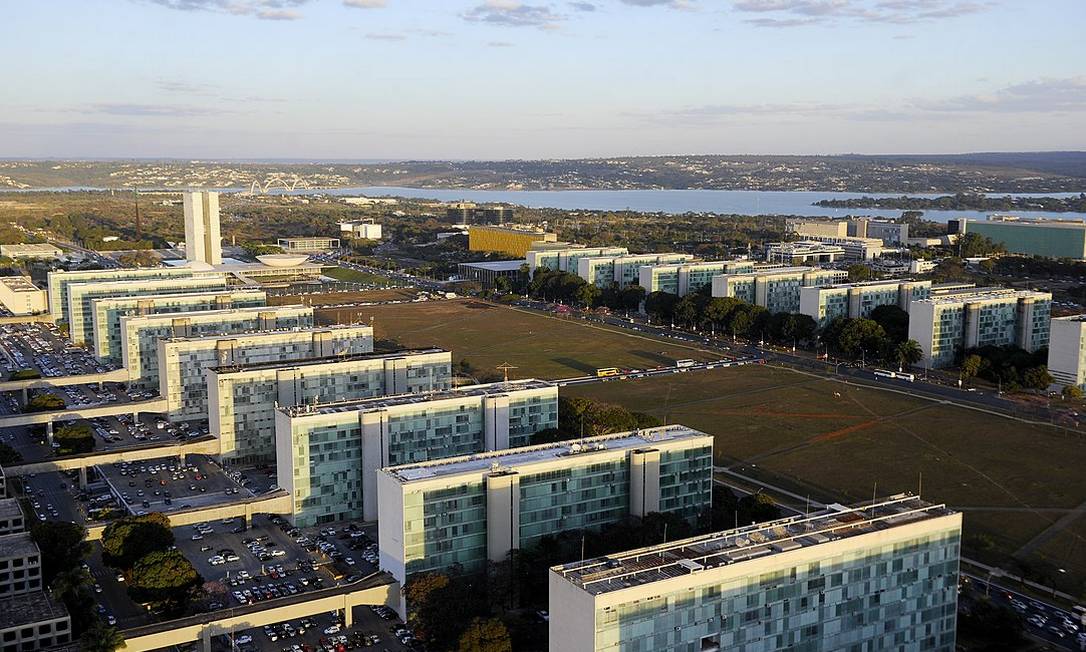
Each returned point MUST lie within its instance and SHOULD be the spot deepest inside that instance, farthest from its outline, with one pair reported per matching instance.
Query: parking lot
(41, 347)
(164, 484)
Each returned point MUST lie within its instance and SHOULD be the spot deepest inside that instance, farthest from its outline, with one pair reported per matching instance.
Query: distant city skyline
(499, 79)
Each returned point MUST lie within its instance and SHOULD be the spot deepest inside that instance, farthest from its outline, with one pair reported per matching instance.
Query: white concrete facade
(1067, 350)
(203, 240)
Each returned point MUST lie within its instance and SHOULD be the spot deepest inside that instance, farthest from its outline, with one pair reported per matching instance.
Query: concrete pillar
(644, 481)
(496, 422)
(348, 612)
(82, 477)
(101, 385)
(502, 514)
(205, 637)
(49, 432)
(374, 428)
(135, 415)
(181, 457)
(26, 397)
(248, 516)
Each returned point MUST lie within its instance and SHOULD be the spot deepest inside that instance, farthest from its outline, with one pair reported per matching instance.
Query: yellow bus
(607, 371)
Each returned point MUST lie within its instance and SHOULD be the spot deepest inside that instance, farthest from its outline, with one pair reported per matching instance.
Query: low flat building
(182, 361)
(38, 251)
(106, 312)
(852, 300)
(565, 256)
(684, 278)
(328, 456)
(622, 271)
(1040, 237)
(776, 290)
(487, 273)
(852, 248)
(873, 576)
(951, 322)
(34, 621)
(20, 296)
(11, 516)
(804, 252)
(20, 565)
(59, 281)
(308, 244)
(920, 266)
(361, 230)
(464, 511)
(242, 398)
(510, 240)
(1067, 350)
(141, 334)
(823, 228)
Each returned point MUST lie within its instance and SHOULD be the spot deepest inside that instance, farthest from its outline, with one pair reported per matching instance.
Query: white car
(216, 560)
(243, 639)
(334, 629)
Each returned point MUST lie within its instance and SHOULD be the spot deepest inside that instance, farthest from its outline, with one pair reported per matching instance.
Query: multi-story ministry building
(363, 230)
(804, 252)
(854, 248)
(891, 233)
(776, 290)
(465, 511)
(33, 622)
(307, 245)
(41, 251)
(182, 361)
(328, 457)
(1049, 238)
(827, 302)
(875, 576)
(11, 516)
(688, 277)
(106, 312)
(824, 228)
(20, 565)
(81, 296)
(21, 297)
(141, 334)
(242, 398)
(567, 258)
(622, 271)
(203, 241)
(509, 239)
(1067, 350)
(59, 281)
(950, 322)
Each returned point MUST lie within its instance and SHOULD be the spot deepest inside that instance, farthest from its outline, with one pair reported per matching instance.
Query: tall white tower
(203, 241)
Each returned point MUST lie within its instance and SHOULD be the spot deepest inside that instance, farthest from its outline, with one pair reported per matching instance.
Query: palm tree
(908, 353)
(101, 638)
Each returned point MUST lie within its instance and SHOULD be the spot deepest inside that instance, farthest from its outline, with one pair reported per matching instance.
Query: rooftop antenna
(504, 368)
(920, 486)
(874, 491)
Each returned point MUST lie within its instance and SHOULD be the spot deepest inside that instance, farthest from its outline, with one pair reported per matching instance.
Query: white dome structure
(283, 260)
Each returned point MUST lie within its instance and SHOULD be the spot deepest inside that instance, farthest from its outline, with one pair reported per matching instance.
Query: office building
(366, 230)
(81, 295)
(921, 266)
(328, 456)
(33, 622)
(182, 361)
(820, 228)
(140, 334)
(853, 248)
(40, 251)
(464, 511)
(1067, 350)
(1048, 238)
(106, 312)
(59, 281)
(11, 516)
(874, 576)
(371, 201)
(567, 257)
(892, 234)
(776, 290)
(20, 296)
(242, 398)
(20, 565)
(825, 303)
(684, 278)
(511, 240)
(488, 273)
(203, 241)
(951, 322)
(622, 271)
(309, 245)
(804, 252)
(469, 213)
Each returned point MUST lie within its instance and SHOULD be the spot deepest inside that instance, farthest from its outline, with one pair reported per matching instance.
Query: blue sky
(366, 79)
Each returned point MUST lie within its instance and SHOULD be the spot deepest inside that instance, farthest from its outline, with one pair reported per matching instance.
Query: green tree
(63, 547)
(631, 297)
(1072, 392)
(971, 365)
(9, 456)
(25, 374)
(74, 439)
(719, 310)
(859, 273)
(44, 403)
(488, 635)
(130, 538)
(973, 245)
(908, 353)
(1037, 377)
(163, 576)
(587, 295)
(661, 305)
(688, 311)
(861, 336)
(101, 638)
(893, 320)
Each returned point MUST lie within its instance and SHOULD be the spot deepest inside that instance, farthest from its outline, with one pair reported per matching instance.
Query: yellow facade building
(506, 239)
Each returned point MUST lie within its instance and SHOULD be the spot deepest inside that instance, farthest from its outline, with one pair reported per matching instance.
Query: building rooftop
(778, 271)
(514, 458)
(355, 405)
(29, 608)
(218, 315)
(304, 362)
(520, 229)
(267, 333)
(497, 265)
(19, 284)
(17, 545)
(867, 284)
(9, 508)
(1014, 220)
(666, 561)
(970, 295)
(32, 248)
(196, 293)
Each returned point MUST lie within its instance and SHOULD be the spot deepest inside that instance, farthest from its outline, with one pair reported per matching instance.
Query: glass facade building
(689, 277)
(852, 300)
(183, 361)
(566, 259)
(462, 512)
(605, 271)
(877, 576)
(357, 438)
(777, 290)
(106, 312)
(59, 281)
(242, 398)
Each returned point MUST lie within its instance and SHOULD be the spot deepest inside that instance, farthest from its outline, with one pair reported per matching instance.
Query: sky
(532, 79)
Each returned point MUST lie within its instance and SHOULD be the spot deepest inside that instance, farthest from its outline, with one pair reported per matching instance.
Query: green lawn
(355, 276)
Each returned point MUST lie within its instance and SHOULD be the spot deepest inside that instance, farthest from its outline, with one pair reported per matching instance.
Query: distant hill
(1068, 164)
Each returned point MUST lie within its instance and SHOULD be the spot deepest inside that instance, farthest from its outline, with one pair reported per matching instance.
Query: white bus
(899, 375)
